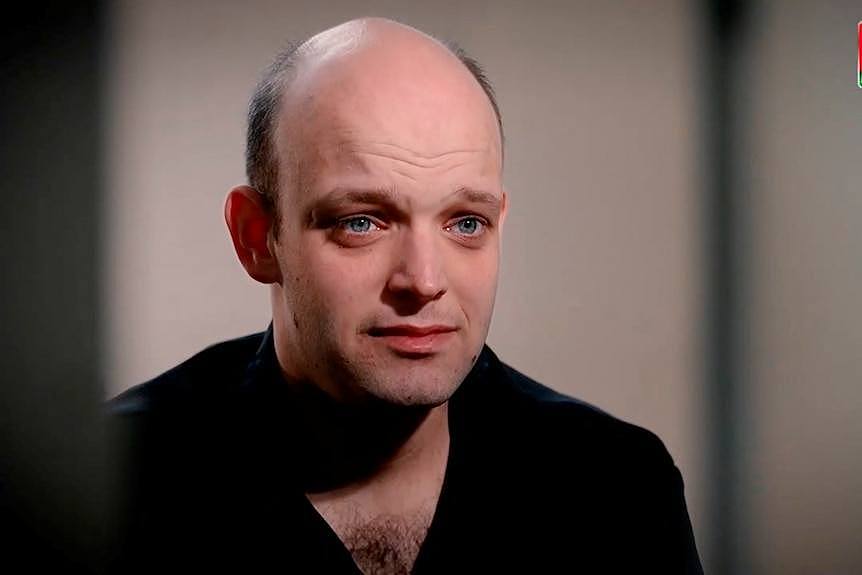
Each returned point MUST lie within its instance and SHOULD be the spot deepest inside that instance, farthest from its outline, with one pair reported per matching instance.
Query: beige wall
(804, 337)
(599, 292)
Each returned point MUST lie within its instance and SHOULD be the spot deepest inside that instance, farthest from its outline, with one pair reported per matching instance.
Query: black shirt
(535, 481)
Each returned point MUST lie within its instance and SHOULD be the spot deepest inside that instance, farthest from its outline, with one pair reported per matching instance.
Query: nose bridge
(419, 265)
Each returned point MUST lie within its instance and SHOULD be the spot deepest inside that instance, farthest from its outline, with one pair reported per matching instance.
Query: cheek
(343, 285)
(474, 281)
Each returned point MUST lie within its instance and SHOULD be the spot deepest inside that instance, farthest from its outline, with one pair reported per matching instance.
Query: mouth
(414, 340)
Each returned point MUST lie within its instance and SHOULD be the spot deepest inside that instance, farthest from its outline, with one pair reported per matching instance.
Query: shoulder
(557, 460)
(206, 376)
(540, 415)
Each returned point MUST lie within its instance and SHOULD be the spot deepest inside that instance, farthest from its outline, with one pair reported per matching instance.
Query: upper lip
(410, 330)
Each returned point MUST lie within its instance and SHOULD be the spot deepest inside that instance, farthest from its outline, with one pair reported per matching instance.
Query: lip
(413, 339)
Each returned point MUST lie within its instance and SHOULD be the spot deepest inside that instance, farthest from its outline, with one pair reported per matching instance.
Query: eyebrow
(477, 197)
(388, 197)
(345, 196)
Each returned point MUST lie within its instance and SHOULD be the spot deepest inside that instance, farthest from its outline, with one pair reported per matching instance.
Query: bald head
(361, 59)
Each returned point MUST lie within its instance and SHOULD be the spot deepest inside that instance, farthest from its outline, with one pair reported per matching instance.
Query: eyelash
(481, 222)
(343, 223)
(343, 235)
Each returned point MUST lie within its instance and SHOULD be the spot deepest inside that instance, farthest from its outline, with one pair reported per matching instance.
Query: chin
(420, 398)
(416, 386)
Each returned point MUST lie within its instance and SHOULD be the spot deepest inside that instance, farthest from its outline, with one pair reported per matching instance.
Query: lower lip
(420, 344)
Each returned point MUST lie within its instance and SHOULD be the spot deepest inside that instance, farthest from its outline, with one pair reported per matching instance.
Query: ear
(250, 222)
(504, 208)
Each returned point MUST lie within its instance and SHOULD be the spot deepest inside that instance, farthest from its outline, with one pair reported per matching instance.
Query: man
(370, 429)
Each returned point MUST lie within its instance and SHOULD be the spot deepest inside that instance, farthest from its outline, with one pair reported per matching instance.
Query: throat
(345, 447)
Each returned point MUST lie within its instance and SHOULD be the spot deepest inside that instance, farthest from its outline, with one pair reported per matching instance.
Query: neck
(350, 446)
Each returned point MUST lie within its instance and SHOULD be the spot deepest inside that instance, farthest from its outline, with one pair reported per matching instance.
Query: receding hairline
(267, 101)
(355, 35)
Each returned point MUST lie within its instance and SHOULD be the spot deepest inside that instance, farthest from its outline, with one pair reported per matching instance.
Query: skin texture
(415, 125)
(392, 206)
(379, 107)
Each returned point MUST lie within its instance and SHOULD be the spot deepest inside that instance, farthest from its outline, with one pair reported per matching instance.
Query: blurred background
(681, 248)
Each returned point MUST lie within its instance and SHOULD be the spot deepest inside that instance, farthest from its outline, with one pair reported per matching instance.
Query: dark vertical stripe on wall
(724, 59)
(53, 502)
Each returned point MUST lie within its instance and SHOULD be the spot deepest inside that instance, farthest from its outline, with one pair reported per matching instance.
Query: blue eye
(469, 226)
(358, 224)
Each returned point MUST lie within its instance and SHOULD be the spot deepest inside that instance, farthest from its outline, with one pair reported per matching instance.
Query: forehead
(422, 109)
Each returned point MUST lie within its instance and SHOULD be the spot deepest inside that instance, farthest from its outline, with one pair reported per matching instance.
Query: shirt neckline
(264, 374)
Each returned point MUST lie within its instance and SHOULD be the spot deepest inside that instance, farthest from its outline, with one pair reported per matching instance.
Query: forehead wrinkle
(416, 179)
(411, 162)
(405, 174)
(428, 156)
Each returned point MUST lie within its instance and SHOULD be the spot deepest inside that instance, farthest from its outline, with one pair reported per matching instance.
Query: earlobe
(249, 223)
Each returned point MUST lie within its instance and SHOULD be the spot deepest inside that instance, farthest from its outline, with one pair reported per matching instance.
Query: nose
(418, 270)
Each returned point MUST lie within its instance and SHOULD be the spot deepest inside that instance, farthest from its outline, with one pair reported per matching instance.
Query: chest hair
(386, 544)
